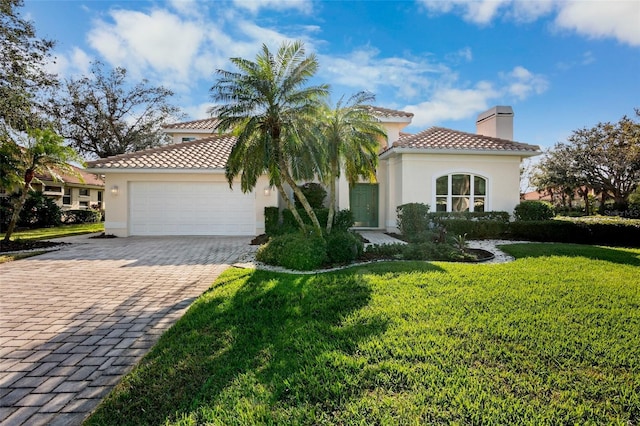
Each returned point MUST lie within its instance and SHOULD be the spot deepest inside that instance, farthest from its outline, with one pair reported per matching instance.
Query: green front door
(363, 198)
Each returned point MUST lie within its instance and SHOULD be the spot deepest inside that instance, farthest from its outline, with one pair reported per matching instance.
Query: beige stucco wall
(76, 198)
(117, 212)
(412, 179)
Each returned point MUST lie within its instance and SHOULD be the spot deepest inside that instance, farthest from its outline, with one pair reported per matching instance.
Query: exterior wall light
(267, 191)
(115, 190)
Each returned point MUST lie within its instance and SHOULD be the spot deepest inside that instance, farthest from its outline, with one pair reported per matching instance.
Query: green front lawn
(57, 232)
(552, 338)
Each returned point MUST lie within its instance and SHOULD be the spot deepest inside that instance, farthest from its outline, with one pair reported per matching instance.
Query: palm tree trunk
(305, 203)
(290, 205)
(17, 208)
(303, 200)
(332, 198)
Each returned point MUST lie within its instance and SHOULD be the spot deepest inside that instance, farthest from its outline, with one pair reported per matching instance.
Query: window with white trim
(460, 192)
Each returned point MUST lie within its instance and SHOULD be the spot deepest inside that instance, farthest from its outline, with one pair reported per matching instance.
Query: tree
(102, 115)
(269, 106)
(608, 157)
(349, 135)
(22, 70)
(44, 152)
(605, 158)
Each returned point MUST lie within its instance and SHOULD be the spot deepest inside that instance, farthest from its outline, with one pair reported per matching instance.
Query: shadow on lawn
(609, 254)
(276, 339)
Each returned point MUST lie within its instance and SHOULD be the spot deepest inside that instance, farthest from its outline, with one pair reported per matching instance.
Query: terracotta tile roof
(206, 153)
(89, 178)
(439, 138)
(205, 124)
(386, 112)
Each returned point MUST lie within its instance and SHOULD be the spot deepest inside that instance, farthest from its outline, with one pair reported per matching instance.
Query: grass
(4, 258)
(552, 338)
(57, 232)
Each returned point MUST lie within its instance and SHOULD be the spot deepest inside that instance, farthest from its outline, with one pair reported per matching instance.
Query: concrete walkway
(74, 321)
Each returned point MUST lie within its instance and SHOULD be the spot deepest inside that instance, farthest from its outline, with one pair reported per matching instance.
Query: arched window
(457, 192)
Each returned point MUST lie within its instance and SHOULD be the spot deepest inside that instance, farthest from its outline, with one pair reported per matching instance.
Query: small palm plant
(460, 243)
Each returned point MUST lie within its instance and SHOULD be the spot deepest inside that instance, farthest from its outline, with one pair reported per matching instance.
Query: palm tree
(350, 135)
(268, 106)
(44, 153)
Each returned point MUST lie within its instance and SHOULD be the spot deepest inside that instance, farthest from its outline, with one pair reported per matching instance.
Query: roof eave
(211, 131)
(106, 170)
(403, 150)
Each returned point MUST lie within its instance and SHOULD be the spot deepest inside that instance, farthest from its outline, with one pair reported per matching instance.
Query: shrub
(483, 229)
(272, 221)
(534, 210)
(314, 193)
(343, 247)
(430, 251)
(343, 220)
(301, 251)
(73, 217)
(579, 231)
(38, 211)
(384, 250)
(413, 219)
(473, 216)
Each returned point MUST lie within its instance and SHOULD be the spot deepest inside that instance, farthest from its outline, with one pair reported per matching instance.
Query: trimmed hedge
(343, 247)
(413, 219)
(271, 221)
(74, 217)
(472, 216)
(302, 251)
(564, 231)
(534, 210)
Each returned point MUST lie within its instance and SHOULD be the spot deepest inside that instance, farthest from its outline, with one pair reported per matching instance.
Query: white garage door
(190, 208)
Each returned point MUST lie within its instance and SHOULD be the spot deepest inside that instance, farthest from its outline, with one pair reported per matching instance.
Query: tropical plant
(44, 152)
(268, 105)
(349, 137)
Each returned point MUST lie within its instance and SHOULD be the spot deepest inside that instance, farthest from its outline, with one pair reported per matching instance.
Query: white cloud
(522, 83)
(476, 11)
(160, 40)
(449, 103)
(363, 69)
(73, 64)
(619, 19)
(198, 112)
(254, 6)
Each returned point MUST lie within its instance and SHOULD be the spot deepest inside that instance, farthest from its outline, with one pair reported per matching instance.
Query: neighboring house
(72, 192)
(180, 189)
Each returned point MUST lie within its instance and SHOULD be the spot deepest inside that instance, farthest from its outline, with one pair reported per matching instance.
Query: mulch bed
(26, 245)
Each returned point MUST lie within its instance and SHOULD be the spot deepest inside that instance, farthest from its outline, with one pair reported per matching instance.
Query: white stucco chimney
(496, 122)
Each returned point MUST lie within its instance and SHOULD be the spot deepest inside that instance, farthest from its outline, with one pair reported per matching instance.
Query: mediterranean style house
(180, 189)
(74, 192)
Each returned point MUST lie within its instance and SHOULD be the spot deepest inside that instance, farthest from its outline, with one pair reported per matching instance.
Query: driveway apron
(74, 321)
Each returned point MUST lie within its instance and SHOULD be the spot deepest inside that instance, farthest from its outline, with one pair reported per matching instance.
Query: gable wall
(412, 179)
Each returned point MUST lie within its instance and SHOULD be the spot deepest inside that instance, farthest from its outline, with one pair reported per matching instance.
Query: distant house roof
(441, 139)
(387, 113)
(204, 124)
(207, 153)
(89, 178)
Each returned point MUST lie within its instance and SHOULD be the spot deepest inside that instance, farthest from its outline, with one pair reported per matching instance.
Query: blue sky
(561, 65)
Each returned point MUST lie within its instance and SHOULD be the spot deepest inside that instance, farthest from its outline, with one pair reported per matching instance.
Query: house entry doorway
(363, 199)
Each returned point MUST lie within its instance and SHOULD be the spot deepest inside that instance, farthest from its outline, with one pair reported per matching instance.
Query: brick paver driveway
(72, 322)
